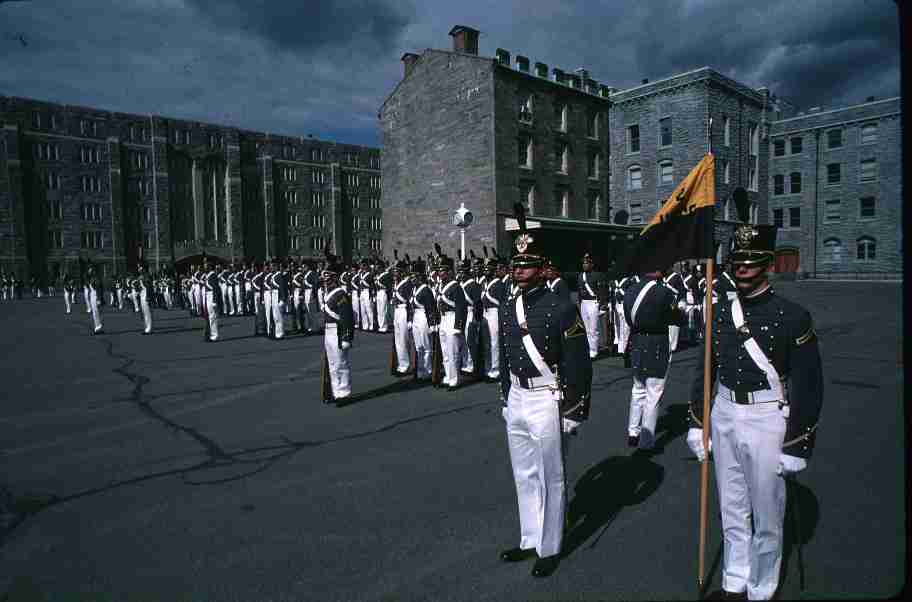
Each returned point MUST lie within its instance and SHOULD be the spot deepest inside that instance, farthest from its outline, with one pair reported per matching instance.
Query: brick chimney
(408, 61)
(541, 70)
(522, 63)
(558, 75)
(503, 57)
(465, 39)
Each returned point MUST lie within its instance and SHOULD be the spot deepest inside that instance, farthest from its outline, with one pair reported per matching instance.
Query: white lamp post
(462, 219)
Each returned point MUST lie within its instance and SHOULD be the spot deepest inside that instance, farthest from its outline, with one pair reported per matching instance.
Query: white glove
(682, 305)
(409, 325)
(695, 443)
(569, 426)
(457, 332)
(432, 329)
(345, 345)
(789, 465)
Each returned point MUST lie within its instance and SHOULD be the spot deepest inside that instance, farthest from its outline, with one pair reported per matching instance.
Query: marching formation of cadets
(512, 322)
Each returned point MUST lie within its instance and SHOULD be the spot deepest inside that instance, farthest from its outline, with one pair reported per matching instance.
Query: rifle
(394, 361)
(325, 384)
(436, 359)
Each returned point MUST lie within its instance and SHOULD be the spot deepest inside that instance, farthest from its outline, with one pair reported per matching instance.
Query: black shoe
(721, 594)
(452, 388)
(516, 555)
(544, 566)
(633, 441)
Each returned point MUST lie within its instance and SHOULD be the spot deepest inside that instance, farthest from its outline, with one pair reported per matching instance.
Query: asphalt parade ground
(166, 468)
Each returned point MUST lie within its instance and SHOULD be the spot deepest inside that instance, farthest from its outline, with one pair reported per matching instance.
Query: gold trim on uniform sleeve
(809, 432)
(805, 337)
(694, 416)
(578, 329)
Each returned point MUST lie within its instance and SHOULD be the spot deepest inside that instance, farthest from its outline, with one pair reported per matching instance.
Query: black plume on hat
(528, 247)
(753, 244)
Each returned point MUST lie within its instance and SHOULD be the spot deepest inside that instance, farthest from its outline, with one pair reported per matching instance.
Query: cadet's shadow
(400, 386)
(670, 425)
(603, 491)
(802, 514)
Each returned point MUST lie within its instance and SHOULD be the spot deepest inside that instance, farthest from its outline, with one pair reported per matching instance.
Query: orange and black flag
(683, 227)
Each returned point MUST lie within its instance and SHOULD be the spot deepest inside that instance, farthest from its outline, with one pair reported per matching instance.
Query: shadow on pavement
(603, 491)
(802, 514)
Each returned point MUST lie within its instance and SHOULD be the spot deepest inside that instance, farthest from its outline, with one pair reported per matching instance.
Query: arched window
(634, 177)
(832, 250)
(867, 248)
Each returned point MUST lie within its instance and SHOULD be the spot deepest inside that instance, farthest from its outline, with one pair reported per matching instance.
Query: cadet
(650, 308)
(589, 287)
(384, 289)
(546, 375)
(300, 308)
(555, 283)
(451, 302)
(93, 285)
(338, 329)
(211, 295)
(761, 430)
(144, 283)
(312, 308)
(69, 292)
(471, 289)
(675, 282)
(495, 293)
(425, 320)
(279, 290)
(403, 313)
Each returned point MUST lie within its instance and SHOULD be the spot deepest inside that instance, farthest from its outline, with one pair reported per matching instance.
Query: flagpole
(707, 387)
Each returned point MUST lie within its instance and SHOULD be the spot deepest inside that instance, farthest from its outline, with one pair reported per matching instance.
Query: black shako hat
(332, 267)
(527, 247)
(753, 244)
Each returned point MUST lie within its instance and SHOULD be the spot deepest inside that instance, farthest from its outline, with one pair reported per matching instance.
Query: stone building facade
(835, 190)
(79, 185)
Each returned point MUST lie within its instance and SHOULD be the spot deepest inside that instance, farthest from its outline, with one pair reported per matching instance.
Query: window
(867, 248)
(777, 218)
(147, 215)
(186, 136)
(318, 221)
(834, 139)
(726, 171)
(291, 197)
(375, 162)
(525, 152)
(832, 211)
(665, 131)
(289, 174)
(779, 148)
(91, 154)
(795, 182)
(592, 124)
(55, 239)
(36, 120)
(593, 203)
(755, 213)
(869, 133)
(376, 244)
(91, 184)
(525, 108)
(318, 176)
(561, 202)
(316, 198)
(726, 126)
(796, 144)
(53, 181)
(133, 133)
(666, 172)
(794, 217)
(177, 137)
(317, 243)
(374, 182)
(560, 117)
(834, 173)
(91, 212)
(316, 154)
(868, 170)
(375, 202)
(294, 242)
(726, 215)
(592, 168)
(634, 178)
(867, 208)
(527, 197)
(83, 126)
(293, 220)
(560, 157)
(90, 240)
(778, 184)
(148, 240)
(352, 180)
(633, 138)
(55, 210)
(753, 174)
(636, 212)
(832, 250)
(355, 201)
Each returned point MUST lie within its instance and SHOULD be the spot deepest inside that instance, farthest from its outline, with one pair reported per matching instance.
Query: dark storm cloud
(308, 25)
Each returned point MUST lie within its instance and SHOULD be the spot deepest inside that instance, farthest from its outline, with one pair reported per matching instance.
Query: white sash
(326, 301)
(443, 296)
(753, 349)
(488, 293)
(398, 292)
(529, 344)
(586, 284)
(638, 300)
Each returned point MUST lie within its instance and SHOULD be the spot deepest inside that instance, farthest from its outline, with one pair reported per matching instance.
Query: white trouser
(85, 294)
(277, 317)
(367, 314)
(120, 298)
(310, 315)
(111, 293)
(169, 303)
(356, 308)
(673, 333)
(621, 327)
(422, 340)
(492, 342)
(339, 362)
(92, 300)
(644, 409)
(535, 440)
(199, 297)
(589, 308)
(134, 296)
(382, 309)
(212, 309)
(470, 336)
(267, 308)
(146, 311)
(237, 298)
(747, 440)
(401, 334)
(451, 346)
(68, 300)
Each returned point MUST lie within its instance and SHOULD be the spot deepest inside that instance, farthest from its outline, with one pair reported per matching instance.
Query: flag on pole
(682, 228)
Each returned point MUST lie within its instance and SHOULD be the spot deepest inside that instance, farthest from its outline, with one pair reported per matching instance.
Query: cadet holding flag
(546, 375)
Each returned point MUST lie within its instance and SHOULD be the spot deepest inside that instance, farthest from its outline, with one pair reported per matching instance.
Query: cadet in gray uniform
(451, 301)
(546, 377)
(338, 325)
(762, 431)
